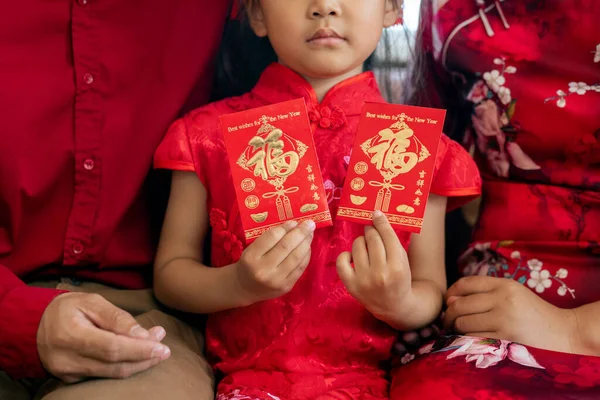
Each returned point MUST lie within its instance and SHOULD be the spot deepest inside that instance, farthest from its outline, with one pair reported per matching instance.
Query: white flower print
(540, 280)
(494, 80)
(531, 273)
(483, 246)
(562, 290)
(561, 102)
(562, 273)
(534, 264)
(578, 87)
(504, 95)
(407, 358)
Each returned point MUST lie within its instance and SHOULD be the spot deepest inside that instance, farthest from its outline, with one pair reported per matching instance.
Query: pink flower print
(237, 395)
(485, 353)
(332, 191)
(478, 93)
(426, 349)
(489, 352)
(519, 354)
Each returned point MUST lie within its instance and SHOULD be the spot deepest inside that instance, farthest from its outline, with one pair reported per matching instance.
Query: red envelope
(275, 167)
(392, 163)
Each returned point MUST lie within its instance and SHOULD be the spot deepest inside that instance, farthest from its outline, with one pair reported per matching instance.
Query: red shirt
(88, 90)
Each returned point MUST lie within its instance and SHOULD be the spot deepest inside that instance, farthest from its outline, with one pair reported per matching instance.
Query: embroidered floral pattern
(597, 53)
(228, 243)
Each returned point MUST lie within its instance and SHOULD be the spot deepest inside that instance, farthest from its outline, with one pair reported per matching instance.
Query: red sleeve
(455, 175)
(21, 309)
(174, 152)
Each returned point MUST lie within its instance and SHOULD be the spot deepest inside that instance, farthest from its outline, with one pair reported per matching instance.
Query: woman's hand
(501, 308)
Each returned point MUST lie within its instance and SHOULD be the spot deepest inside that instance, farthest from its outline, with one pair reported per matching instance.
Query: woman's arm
(587, 329)
(501, 308)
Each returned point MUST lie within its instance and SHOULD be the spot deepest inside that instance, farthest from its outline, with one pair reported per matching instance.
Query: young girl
(284, 322)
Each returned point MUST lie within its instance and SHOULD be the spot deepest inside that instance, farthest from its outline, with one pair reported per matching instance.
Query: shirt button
(88, 164)
(83, 2)
(77, 248)
(88, 78)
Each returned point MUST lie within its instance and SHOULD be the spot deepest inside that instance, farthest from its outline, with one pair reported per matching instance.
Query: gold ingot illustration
(357, 200)
(403, 208)
(260, 217)
(308, 208)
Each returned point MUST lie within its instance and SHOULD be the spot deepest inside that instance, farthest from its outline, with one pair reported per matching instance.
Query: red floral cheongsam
(530, 72)
(317, 342)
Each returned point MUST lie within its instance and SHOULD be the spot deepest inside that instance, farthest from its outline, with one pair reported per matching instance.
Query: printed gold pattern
(317, 218)
(265, 157)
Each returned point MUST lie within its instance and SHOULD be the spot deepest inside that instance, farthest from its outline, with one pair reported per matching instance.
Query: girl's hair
(243, 56)
(431, 85)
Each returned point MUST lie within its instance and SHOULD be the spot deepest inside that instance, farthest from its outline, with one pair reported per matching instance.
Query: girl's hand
(271, 265)
(381, 278)
(501, 308)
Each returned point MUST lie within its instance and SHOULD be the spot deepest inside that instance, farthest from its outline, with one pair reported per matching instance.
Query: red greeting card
(275, 167)
(392, 164)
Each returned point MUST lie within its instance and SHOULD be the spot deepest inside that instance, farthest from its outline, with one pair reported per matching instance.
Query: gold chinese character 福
(390, 153)
(269, 159)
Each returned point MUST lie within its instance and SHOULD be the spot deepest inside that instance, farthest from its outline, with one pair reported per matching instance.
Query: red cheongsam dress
(317, 342)
(529, 73)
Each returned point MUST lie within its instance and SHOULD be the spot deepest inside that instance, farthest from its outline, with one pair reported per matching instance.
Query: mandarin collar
(279, 83)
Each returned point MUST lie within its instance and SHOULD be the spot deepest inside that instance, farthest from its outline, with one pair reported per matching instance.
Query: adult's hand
(83, 335)
(500, 308)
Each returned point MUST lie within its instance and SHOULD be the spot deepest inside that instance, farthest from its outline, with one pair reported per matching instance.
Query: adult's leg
(11, 389)
(185, 375)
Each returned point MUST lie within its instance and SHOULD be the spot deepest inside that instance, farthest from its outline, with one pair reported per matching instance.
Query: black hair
(243, 56)
(241, 59)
